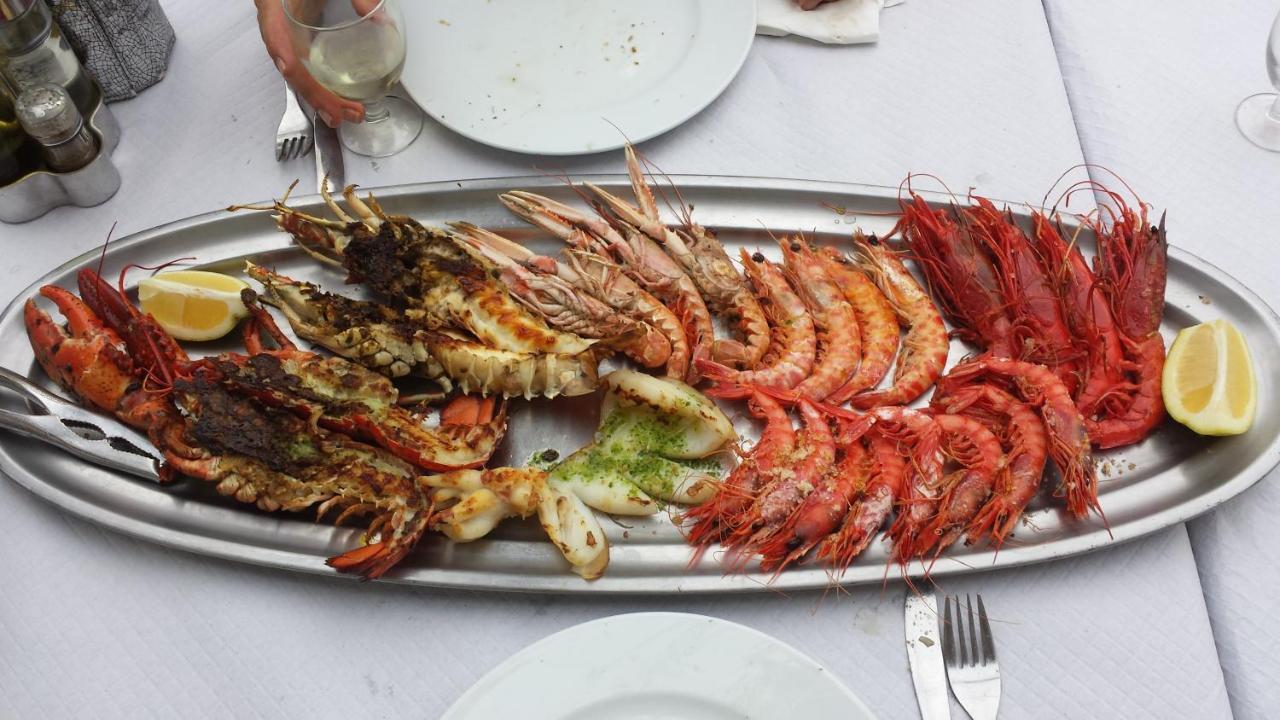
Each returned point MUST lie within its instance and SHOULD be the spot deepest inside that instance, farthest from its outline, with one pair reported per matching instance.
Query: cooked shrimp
(1026, 447)
(1086, 312)
(793, 334)
(833, 318)
(978, 451)
(925, 346)
(884, 484)
(918, 438)
(729, 296)
(877, 323)
(644, 342)
(606, 280)
(814, 455)
(1038, 331)
(1068, 441)
(704, 259)
(724, 512)
(637, 255)
(563, 305)
(949, 252)
(822, 510)
(1132, 270)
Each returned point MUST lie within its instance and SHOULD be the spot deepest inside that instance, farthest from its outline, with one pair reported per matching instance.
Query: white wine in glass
(356, 48)
(1258, 117)
(362, 65)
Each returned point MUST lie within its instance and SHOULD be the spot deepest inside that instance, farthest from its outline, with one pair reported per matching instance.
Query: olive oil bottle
(18, 152)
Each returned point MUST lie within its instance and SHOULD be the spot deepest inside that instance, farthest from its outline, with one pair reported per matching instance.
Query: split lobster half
(287, 429)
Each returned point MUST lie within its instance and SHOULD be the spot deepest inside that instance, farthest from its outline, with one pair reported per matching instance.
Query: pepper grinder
(49, 115)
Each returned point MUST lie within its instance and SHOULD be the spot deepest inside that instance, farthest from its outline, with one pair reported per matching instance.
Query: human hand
(330, 108)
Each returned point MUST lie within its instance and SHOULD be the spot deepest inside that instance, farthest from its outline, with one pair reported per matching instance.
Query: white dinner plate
(567, 77)
(646, 666)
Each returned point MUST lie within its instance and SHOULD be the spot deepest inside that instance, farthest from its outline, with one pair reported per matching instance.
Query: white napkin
(843, 22)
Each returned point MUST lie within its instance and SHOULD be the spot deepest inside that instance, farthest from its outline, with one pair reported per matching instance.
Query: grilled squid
(656, 442)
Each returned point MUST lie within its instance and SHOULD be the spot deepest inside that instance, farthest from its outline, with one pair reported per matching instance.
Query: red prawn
(727, 510)
(961, 275)
(1068, 440)
(1039, 331)
(885, 483)
(1026, 445)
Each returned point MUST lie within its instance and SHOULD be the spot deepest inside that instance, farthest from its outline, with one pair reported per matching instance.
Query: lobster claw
(85, 358)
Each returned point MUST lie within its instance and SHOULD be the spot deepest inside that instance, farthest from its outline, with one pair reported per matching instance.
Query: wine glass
(356, 49)
(1258, 117)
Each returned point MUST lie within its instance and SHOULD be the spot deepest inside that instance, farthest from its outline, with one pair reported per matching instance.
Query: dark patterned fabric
(125, 44)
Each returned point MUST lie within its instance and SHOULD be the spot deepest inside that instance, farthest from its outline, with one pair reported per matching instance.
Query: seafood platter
(638, 383)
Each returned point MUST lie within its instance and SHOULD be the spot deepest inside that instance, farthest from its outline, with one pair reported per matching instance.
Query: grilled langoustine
(385, 340)
(443, 313)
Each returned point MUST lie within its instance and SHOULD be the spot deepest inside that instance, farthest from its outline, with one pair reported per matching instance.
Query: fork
(974, 677)
(293, 138)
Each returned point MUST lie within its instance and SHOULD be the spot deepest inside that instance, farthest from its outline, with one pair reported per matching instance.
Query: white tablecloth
(99, 625)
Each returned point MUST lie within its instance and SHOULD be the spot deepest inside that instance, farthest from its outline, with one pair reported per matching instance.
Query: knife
(76, 430)
(924, 650)
(328, 155)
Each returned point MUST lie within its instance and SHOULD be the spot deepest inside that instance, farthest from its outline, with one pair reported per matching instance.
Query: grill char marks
(226, 423)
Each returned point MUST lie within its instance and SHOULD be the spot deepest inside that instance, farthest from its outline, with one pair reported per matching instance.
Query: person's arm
(274, 27)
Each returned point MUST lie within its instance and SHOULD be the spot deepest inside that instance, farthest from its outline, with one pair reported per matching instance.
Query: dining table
(1002, 96)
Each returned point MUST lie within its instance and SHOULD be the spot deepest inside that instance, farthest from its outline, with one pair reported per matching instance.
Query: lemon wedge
(1208, 382)
(193, 304)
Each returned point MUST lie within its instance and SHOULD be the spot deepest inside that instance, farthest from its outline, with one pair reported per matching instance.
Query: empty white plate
(555, 77)
(647, 666)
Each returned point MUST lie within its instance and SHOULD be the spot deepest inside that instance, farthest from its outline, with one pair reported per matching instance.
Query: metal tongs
(72, 428)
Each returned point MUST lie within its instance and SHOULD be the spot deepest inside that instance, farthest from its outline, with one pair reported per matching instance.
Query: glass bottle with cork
(33, 51)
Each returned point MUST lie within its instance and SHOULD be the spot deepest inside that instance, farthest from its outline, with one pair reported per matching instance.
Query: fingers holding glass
(356, 49)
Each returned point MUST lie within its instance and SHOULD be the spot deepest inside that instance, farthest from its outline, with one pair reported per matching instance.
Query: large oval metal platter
(1172, 476)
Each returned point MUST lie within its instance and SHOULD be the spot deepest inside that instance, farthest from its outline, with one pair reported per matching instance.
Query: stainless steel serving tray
(1171, 477)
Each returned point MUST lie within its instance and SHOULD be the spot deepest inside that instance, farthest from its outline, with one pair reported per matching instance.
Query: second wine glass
(356, 48)
(1258, 117)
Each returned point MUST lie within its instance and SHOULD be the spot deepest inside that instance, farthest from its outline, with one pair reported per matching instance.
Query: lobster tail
(371, 561)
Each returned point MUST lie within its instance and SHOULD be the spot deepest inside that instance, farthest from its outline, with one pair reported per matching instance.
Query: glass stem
(1274, 112)
(376, 110)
